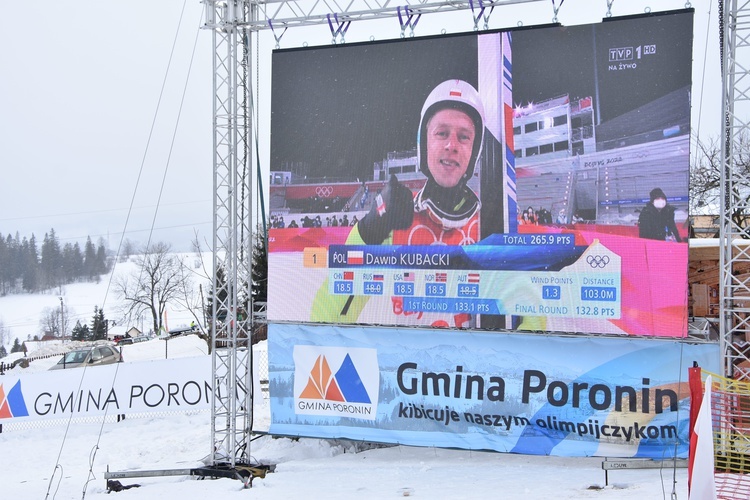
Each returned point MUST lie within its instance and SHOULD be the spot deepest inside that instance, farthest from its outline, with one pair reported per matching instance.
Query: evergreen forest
(28, 267)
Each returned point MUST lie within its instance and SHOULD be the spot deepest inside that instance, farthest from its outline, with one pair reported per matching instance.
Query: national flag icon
(473, 277)
(441, 277)
(355, 257)
(377, 277)
(348, 275)
(408, 276)
(380, 205)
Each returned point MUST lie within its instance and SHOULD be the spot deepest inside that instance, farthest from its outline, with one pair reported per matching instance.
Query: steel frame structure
(734, 305)
(231, 23)
(291, 13)
(231, 417)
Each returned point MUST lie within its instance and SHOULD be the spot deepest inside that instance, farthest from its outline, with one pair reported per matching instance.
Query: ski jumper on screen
(444, 212)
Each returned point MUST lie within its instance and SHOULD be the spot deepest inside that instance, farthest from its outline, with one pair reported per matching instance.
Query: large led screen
(532, 180)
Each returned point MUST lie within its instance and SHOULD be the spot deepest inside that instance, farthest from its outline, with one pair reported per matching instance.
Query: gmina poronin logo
(12, 405)
(336, 381)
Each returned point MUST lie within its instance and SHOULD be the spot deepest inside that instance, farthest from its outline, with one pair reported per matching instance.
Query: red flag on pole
(701, 484)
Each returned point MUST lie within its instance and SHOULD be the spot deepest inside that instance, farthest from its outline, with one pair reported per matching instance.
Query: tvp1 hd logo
(336, 381)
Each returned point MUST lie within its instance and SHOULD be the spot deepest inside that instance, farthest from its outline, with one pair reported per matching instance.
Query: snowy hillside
(21, 314)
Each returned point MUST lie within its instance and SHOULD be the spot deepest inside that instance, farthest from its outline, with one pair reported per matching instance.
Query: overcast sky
(81, 84)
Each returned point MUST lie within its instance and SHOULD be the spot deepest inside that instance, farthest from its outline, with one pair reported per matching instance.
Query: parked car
(140, 338)
(89, 356)
(124, 341)
(182, 330)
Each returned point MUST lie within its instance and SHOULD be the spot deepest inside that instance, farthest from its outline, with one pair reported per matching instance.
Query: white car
(90, 356)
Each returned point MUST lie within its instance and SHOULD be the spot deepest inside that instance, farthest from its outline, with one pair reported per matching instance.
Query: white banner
(146, 386)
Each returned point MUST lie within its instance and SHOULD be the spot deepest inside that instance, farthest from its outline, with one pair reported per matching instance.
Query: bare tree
(4, 333)
(49, 322)
(202, 269)
(55, 320)
(705, 179)
(191, 300)
(128, 249)
(157, 281)
(187, 296)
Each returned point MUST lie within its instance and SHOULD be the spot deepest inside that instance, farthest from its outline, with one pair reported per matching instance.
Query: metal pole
(62, 319)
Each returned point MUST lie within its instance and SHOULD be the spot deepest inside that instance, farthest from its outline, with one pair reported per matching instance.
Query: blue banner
(542, 395)
(510, 252)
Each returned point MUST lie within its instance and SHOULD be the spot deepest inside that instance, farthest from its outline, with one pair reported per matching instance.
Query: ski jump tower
(235, 26)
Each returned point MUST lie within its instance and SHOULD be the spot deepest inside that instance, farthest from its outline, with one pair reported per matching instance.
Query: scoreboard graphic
(473, 280)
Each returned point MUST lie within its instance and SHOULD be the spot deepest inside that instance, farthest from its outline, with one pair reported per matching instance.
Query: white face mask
(660, 203)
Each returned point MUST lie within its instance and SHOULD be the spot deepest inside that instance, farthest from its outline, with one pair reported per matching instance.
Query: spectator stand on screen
(561, 217)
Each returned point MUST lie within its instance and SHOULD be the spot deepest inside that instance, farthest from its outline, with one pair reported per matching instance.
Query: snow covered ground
(305, 468)
(59, 462)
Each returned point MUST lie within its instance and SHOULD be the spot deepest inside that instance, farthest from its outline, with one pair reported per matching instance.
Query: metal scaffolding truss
(232, 22)
(734, 306)
(289, 13)
(231, 417)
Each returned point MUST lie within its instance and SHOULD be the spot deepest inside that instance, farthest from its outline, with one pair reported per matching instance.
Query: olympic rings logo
(598, 260)
(324, 191)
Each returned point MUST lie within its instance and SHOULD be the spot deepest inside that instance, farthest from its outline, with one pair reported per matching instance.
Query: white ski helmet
(452, 94)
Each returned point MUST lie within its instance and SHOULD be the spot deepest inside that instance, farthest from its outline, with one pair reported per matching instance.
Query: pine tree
(221, 280)
(17, 347)
(101, 259)
(260, 269)
(77, 261)
(15, 261)
(72, 262)
(51, 261)
(3, 352)
(24, 267)
(30, 265)
(4, 265)
(89, 259)
(80, 332)
(98, 325)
